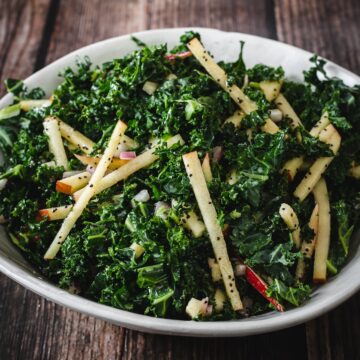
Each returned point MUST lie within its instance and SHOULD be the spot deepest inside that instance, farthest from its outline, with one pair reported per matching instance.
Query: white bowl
(225, 46)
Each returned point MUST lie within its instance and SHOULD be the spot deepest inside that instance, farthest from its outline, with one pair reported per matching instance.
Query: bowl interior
(224, 46)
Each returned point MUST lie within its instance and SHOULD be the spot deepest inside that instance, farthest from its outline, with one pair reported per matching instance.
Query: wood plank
(335, 335)
(328, 28)
(124, 17)
(31, 327)
(255, 17)
(34, 328)
(117, 18)
(20, 45)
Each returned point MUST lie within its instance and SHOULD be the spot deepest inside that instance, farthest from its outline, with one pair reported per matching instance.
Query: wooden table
(36, 32)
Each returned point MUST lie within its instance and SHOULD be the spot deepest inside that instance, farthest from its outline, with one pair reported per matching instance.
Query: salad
(170, 185)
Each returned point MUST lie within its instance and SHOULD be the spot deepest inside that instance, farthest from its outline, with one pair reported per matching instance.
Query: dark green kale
(261, 72)
(293, 295)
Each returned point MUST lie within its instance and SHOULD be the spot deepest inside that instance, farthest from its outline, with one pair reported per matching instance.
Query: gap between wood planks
(40, 61)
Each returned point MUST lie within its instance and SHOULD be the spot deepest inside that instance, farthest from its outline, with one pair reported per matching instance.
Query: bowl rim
(253, 325)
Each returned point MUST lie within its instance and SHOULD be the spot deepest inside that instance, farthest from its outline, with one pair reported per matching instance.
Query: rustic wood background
(36, 32)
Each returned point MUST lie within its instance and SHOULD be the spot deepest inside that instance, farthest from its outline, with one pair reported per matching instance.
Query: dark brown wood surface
(36, 32)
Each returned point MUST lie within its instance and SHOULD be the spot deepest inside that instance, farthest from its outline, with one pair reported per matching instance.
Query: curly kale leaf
(294, 295)
(345, 230)
(262, 72)
(255, 164)
(236, 70)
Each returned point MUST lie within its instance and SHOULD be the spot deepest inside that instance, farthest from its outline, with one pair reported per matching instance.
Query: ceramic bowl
(224, 46)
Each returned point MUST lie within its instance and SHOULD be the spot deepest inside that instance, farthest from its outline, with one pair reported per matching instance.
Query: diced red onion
(275, 115)
(208, 310)
(240, 270)
(3, 183)
(181, 55)
(142, 196)
(217, 153)
(90, 169)
(127, 155)
(67, 174)
(205, 304)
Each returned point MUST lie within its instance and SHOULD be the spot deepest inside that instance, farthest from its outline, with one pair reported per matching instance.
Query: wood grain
(244, 16)
(335, 335)
(33, 328)
(123, 17)
(117, 18)
(328, 28)
(20, 44)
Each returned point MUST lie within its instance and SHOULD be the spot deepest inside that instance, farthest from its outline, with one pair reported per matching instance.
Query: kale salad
(167, 184)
